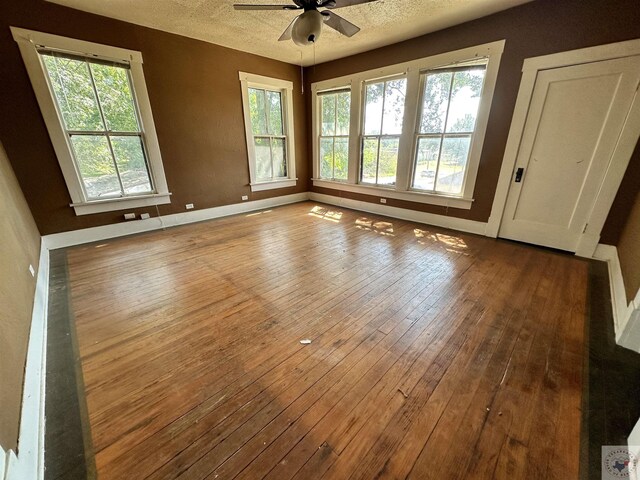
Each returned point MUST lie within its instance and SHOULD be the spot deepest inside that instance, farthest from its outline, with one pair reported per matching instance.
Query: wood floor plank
(419, 385)
(397, 448)
(207, 443)
(255, 424)
(324, 430)
(434, 354)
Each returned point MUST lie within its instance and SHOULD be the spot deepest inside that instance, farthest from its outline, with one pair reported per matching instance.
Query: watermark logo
(618, 461)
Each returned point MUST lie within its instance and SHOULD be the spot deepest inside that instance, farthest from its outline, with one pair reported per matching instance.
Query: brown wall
(538, 28)
(20, 248)
(195, 97)
(629, 251)
(196, 101)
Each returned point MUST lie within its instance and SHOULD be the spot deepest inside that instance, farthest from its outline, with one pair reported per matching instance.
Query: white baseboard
(626, 316)
(96, 234)
(28, 464)
(453, 223)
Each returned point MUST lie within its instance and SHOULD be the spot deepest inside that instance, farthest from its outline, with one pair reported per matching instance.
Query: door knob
(519, 173)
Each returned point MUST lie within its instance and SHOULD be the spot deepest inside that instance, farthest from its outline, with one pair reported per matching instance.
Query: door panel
(574, 121)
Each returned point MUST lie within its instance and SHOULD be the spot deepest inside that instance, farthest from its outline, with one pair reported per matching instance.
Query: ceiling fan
(305, 29)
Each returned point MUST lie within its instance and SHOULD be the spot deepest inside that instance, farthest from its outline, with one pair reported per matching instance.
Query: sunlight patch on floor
(326, 214)
(382, 228)
(451, 243)
(258, 213)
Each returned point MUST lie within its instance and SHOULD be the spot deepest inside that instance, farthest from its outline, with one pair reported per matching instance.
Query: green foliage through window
(267, 126)
(383, 121)
(96, 103)
(335, 116)
(450, 102)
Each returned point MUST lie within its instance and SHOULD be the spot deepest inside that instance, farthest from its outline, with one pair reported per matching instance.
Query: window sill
(287, 182)
(390, 192)
(123, 203)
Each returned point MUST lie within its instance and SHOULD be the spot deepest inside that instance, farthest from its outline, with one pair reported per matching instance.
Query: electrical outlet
(144, 216)
(32, 271)
(383, 200)
(245, 197)
(129, 216)
(189, 206)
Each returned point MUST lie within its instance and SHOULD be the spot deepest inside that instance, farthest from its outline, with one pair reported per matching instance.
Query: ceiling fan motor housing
(307, 28)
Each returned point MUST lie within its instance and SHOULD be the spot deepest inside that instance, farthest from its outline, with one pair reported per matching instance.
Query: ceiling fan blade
(286, 35)
(242, 6)
(343, 3)
(345, 27)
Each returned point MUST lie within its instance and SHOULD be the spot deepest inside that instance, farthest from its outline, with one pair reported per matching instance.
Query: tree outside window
(96, 103)
(450, 103)
(383, 119)
(335, 115)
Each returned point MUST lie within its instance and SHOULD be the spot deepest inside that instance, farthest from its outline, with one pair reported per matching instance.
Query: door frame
(621, 154)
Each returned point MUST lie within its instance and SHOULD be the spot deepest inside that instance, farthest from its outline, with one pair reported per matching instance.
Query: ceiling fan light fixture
(307, 28)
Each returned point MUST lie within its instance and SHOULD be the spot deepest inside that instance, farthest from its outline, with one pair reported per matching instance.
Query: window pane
(434, 104)
(424, 176)
(131, 164)
(326, 157)
(328, 115)
(116, 100)
(373, 109)
(369, 160)
(279, 158)
(394, 107)
(257, 112)
(263, 158)
(274, 105)
(465, 100)
(388, 161)
(343, 113)
(453, 162)
(96, 166)
(74, 93)
(341, 158)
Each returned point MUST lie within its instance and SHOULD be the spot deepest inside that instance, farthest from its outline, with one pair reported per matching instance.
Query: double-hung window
(449, 108)
(383, 118)
(99, 116)
(335, 108)
(268, 113)
(94, 101)
(268, 134)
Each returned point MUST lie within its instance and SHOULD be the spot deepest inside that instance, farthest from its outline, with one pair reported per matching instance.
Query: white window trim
(413, 69)
(286, 87)
(28, 42)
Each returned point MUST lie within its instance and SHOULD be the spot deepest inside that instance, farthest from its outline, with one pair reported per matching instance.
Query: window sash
(272, 163)
(441, 138)
(106, 132)
(267, 110)
(333, 155)
(379, 139)
(384, 82)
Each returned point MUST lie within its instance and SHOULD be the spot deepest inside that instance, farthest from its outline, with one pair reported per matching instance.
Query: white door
(574, 121)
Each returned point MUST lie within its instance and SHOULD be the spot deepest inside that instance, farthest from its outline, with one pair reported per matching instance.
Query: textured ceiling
(383, 22)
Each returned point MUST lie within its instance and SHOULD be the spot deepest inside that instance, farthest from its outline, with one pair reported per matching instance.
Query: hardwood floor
(433, 355)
